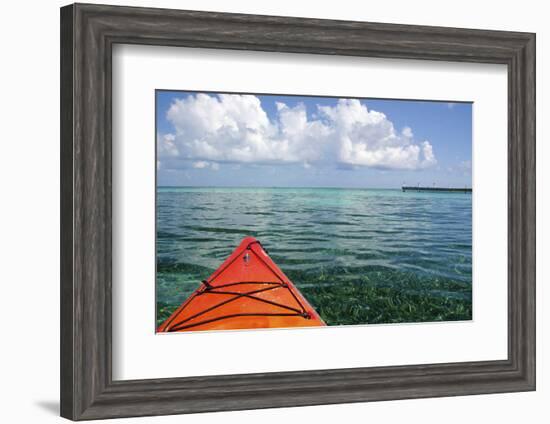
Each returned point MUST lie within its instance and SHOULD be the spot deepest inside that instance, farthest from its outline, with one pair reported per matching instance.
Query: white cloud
(428, 154)
(167, 146)
(407, 132)
(208, 129)
(202, 164)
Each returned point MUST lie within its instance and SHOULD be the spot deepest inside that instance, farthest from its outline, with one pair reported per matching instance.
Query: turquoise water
(359, 256)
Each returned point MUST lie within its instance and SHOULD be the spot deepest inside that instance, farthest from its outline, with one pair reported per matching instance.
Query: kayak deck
(247, 291)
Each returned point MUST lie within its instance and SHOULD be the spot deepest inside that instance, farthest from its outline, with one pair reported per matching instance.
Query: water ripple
(418, 243)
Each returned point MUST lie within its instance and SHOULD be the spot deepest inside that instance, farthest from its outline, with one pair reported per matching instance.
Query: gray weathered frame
(88, 33)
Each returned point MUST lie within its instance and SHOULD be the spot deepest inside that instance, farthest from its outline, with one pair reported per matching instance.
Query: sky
(254, 140)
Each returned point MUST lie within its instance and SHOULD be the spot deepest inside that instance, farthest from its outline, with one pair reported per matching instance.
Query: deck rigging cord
(209, 289)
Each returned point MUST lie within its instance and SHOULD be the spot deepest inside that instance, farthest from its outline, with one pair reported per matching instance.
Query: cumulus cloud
(202, 164)
(212, 129)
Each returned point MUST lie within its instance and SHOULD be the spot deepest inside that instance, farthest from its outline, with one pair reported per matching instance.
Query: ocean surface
(358, 255)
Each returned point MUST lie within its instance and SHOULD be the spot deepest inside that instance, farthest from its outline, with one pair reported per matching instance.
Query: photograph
(277, 211)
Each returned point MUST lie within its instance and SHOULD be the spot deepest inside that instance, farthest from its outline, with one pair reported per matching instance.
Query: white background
(29, 227)
(138, 70)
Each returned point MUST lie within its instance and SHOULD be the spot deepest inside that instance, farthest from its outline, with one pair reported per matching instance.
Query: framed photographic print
(264, 212)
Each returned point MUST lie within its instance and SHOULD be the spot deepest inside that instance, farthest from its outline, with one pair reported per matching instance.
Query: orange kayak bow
(247, 291)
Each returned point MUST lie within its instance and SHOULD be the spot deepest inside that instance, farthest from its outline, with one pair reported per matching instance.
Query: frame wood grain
(88, 33)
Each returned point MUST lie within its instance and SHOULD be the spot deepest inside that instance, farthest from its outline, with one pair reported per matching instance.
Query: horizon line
(311, 187)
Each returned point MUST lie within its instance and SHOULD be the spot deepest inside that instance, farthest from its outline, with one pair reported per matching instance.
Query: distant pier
(438, 189)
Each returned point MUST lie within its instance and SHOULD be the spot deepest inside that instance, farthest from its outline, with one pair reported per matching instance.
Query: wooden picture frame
(88, 33)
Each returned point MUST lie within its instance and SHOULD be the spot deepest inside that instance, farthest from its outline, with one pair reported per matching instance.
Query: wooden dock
(437, 189)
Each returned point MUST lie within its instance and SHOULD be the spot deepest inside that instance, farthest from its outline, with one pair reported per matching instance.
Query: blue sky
(211, 139)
